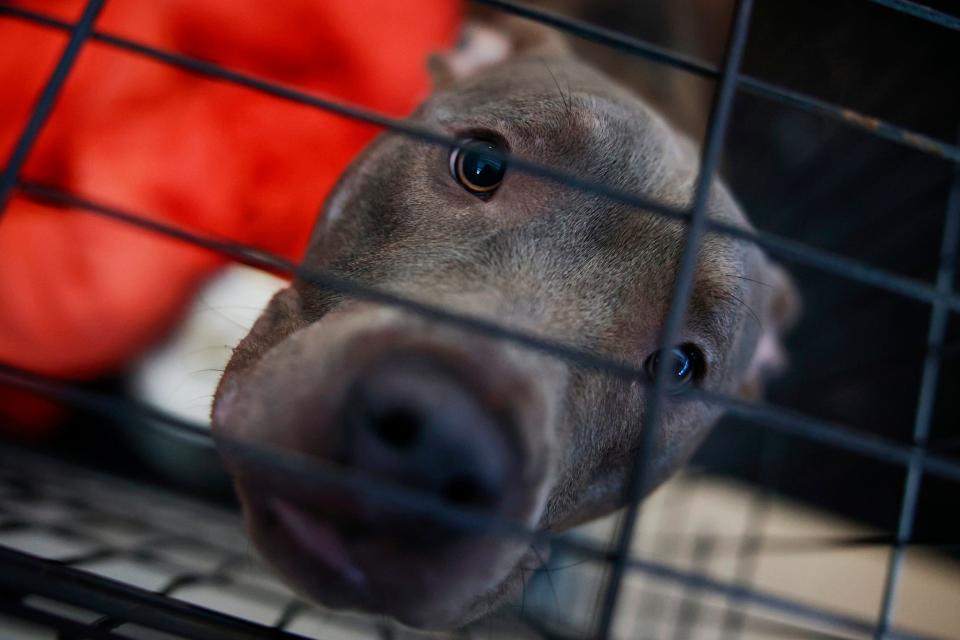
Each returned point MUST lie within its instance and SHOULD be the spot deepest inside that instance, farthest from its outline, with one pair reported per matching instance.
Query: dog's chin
(419, 578)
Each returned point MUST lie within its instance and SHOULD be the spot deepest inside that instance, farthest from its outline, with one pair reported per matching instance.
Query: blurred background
(118, 311)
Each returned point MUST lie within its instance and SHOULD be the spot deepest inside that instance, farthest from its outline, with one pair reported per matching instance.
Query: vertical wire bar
(47, 99)
(923, 419)
(671, 517)
(709, 159)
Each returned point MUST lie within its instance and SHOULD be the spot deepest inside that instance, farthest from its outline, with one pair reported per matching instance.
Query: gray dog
(484, 424)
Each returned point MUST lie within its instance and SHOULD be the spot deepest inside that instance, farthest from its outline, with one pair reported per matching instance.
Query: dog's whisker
(186, 379)
(209, 370)
(234, 307)
(743, 304)
(221, 314)
(205, 396)
(213, 347)
(568, 105)
(760, 282)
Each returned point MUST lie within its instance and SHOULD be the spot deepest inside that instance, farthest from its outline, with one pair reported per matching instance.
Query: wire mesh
(121, 606)
(83, 552)
(135, 555)
(946, 274)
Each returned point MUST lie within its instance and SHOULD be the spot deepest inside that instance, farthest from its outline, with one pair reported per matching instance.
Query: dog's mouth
(312, 543)
(317, 539)
(335, 549)
(312, 551)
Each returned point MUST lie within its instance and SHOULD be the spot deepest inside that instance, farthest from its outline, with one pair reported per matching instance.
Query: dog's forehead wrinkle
(630, 144)
(610, 143)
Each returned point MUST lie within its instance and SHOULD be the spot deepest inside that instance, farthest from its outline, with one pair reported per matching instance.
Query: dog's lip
(319, 540)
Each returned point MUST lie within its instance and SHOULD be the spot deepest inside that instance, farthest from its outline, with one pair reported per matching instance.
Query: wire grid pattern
(159, 551)
(916, 459)
(133, 559)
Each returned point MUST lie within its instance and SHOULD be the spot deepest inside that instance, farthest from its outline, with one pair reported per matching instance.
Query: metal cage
(74, 525)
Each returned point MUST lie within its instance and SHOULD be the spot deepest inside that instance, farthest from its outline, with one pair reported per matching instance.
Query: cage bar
(121, 604)
(79, 34)
(638, 481)
(923, 421)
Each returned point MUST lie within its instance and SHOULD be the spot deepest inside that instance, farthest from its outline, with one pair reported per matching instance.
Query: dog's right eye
(476, 169)
(685, 365)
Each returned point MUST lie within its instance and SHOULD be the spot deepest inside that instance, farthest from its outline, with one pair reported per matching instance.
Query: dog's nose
(412, 421)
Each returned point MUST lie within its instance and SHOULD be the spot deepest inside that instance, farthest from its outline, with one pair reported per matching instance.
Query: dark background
(857, 354)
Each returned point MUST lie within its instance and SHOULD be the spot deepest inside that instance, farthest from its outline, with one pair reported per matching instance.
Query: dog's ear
(490, 38)
(780, 311)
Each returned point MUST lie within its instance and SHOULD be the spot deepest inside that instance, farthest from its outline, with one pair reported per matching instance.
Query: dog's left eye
(477, 171)
(684, 366)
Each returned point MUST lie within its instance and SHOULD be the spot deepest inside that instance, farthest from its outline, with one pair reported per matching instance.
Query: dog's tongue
(320, 540)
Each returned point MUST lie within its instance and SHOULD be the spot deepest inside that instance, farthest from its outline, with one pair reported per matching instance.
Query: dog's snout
(413, 421)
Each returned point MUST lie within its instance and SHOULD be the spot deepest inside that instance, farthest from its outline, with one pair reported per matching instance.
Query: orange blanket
(81, 296)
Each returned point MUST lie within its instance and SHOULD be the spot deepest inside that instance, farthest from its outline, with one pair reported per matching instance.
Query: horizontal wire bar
(142, 549)
(834, 435)
(145, 549)
(147, 553)
(776, 418)
(796, 251)
(923, 12)
(166, 535)
(317, 471)
(24, 573)
(68, 628)
(639, 47)
(876, 126)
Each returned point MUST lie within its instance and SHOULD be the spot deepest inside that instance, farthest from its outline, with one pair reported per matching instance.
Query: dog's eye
(685, 364)
(476, 169)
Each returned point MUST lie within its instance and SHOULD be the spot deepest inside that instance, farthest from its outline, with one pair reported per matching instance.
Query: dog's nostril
(412, 421)
(464, 490)
(399, 428)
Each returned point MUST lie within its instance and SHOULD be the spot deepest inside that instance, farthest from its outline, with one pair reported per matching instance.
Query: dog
(480, 423)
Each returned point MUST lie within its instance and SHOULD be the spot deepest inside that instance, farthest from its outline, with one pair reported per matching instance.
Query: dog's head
(482, 423)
